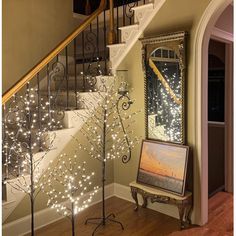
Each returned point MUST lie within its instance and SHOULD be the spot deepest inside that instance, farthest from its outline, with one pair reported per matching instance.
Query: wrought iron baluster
(105, 41)
(92, 51)
(4, 138)
(75, 72)
(49, 93)
(67, 80)
(129, 13)
(83, 46)
(117, 23)
(130, 18)
(39, 112)
(98, 38)
(28, 124)
(124, 12)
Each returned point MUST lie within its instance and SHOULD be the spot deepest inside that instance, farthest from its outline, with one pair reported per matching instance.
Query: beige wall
(173, 16)
(225, 21)
(30, 30)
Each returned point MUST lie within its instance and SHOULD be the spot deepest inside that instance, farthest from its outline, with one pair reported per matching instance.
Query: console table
(184, 203)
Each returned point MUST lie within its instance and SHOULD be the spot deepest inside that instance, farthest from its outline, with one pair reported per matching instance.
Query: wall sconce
(123, 102)
(123, 89)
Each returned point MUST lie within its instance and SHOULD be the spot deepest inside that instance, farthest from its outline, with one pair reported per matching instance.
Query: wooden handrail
(33, 72)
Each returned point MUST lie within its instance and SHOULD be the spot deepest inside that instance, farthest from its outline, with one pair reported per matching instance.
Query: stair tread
(147, 5)
(135, 25)
(116, 45)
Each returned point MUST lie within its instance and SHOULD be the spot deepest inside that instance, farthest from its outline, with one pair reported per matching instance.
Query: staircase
(71, 74)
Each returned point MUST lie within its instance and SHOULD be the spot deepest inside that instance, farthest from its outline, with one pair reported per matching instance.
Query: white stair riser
(127, 33)
(141, 13)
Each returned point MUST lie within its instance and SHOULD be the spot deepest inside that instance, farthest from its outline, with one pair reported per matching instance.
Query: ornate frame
(185, 166)
(177, 42)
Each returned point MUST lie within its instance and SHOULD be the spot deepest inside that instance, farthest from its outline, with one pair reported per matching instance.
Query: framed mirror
(164, 70)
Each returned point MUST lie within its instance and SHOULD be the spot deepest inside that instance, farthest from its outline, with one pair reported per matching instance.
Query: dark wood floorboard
(147, 222)
(220, 218)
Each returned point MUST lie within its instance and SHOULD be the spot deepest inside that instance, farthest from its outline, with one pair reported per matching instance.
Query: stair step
(88, 60)
(81, 81)
(84, 83)
(142, 12)
(128, 31)
(81, 64)
(147, 6)
(61, 101)
(129, 27)
(115, 49)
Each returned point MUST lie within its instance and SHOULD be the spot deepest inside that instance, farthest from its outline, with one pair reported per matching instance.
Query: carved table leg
(181, 209)
(144, 201)
(188, 211)
(184, 213)
(135, 197)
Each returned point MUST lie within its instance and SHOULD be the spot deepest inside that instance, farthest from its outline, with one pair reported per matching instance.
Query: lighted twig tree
(28, 124)
(66, 185)
(108, 132)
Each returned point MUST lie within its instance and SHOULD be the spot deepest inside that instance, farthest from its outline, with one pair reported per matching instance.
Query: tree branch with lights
(108, 132)
(66, 185)
(28, 135)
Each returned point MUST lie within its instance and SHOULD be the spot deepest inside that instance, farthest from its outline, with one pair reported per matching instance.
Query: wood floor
(147, 222)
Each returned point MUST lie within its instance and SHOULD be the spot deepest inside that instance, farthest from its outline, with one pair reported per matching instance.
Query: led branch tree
(108, 132)
(66, 185)
(28, 124)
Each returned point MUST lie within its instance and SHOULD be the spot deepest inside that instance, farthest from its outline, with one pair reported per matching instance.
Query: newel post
(111, 33)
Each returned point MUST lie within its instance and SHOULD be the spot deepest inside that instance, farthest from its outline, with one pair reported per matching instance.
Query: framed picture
(163, 165)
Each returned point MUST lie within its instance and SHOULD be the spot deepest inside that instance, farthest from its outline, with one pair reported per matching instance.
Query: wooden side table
(184, 203)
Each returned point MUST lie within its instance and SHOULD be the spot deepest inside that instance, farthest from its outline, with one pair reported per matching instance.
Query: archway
(201, 41)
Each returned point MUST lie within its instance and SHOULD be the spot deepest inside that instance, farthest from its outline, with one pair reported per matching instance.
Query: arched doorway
(201, 42)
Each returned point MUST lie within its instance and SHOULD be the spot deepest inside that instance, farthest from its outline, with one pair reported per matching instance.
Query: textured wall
(31, 29)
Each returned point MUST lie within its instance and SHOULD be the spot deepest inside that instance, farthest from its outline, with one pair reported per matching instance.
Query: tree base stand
(102, 222)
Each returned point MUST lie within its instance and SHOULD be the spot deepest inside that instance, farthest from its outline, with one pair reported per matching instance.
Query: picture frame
(163, 165)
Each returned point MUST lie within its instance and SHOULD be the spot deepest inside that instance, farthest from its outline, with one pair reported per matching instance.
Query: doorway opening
(216, 117)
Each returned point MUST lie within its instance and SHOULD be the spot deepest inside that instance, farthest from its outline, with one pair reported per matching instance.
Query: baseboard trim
(45, 217)
(48, 216)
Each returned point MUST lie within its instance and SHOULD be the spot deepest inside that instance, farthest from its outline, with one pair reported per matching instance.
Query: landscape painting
(163, 165)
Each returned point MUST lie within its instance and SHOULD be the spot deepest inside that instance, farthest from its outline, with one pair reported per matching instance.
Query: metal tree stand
(103, 219)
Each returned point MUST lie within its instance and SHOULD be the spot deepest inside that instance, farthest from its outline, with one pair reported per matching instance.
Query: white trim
(229, 117)
(45, 217)
(222, 35)
(201, 41)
